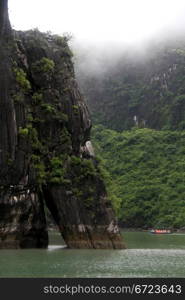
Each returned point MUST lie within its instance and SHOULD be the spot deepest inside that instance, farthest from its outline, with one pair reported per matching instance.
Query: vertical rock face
(5, 27)
(46, 157)
(22, 222)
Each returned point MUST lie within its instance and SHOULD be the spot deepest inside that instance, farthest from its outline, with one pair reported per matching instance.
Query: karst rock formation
(46, 157)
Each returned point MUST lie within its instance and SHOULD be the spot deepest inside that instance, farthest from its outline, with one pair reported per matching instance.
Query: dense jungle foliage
(145, 174)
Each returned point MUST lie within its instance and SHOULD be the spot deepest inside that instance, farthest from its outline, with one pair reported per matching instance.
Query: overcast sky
(99, 20)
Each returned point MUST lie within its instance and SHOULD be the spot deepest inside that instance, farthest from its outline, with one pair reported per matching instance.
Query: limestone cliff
(46, 157)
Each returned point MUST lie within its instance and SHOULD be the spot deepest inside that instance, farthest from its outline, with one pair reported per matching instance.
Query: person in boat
(160, 231)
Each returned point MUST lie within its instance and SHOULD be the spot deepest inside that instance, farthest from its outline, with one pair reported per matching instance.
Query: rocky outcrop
(46, 157)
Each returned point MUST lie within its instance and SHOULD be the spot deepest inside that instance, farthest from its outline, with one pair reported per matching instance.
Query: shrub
(23, 131)
(21, 79)
(44, 65)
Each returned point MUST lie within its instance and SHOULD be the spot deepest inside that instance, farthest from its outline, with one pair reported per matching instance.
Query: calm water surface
(146, 255)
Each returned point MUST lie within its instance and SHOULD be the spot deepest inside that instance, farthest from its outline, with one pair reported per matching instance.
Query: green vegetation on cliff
(146, 175)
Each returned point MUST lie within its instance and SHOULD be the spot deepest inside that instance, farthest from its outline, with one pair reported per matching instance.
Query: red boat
(160, 231)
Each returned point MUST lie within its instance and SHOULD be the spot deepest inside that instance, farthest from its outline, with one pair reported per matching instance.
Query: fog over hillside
(121, 49)
(97, 59)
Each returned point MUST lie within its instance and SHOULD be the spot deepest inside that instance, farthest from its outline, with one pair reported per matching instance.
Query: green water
(146, 255)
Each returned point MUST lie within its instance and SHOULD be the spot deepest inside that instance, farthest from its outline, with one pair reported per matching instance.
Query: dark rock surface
(46, 157)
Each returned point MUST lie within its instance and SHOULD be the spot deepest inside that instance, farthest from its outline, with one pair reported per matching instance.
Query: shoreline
(125, 229)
